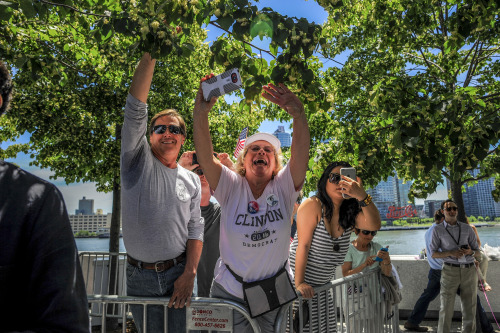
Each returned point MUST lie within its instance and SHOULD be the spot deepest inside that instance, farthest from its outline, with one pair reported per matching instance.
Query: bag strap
(239, 278)
(236, 276)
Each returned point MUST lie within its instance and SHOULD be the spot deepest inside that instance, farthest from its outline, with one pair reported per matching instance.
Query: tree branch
(465, 59)
(67, 64)
(428, 62)
(474, 179)
(490, 96)
(472, 67)
(250, 44)
(72, 8)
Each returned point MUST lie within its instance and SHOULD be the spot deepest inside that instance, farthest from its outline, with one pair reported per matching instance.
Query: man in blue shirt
(434, 287)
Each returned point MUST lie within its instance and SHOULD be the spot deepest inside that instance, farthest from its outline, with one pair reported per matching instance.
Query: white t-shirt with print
(254, 233)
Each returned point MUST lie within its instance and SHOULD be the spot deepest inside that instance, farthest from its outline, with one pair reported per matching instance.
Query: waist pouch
(269, 294)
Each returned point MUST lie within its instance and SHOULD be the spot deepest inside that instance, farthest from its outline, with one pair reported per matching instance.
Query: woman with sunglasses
(257, 202)
(324, 225)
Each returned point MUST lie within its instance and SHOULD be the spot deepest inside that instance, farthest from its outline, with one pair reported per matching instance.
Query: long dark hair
(349, 208)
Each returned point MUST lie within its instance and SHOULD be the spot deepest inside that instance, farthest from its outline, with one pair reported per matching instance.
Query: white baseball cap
(265, 137)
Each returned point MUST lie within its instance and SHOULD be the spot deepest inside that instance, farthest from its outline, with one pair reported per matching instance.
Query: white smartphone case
(221, 84)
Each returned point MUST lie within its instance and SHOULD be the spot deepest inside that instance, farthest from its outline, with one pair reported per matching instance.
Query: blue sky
(73, 192)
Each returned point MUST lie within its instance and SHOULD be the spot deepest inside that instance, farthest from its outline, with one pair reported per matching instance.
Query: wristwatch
(366, 201)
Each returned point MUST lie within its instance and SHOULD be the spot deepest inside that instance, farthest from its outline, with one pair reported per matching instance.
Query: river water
(409, 242)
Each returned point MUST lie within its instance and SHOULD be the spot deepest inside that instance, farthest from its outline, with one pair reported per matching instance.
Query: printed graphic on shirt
(260, 237)
(181, 191)
(272, 200)
(253, 207)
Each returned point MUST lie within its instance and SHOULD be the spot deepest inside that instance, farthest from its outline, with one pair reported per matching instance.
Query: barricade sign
(209, 318)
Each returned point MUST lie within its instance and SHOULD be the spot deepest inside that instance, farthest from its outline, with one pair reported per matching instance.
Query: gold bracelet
(388, 263)
(366, 201)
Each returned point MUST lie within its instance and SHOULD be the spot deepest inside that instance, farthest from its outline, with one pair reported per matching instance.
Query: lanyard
(459, 233)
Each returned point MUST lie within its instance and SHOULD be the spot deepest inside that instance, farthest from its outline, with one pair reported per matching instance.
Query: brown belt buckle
(159, 266)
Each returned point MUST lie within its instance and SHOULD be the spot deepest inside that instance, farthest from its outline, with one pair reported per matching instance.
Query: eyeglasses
(199, 171)
(160, 129)
(256, 149)
(449, 209)
(367, 232)
(334, 178)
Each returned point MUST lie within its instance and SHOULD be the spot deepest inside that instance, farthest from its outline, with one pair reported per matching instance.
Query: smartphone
(465, 247)
(221, 84)
(386, 249)
(348, 172)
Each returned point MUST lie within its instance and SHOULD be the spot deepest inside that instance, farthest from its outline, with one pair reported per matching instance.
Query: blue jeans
(431, 292)
(148, 283)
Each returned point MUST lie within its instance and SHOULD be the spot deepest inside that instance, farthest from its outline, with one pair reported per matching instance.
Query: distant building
(430, 207)
(389, 195)
(478, 200)
(85, 207)
(284, 137)
(90, 223)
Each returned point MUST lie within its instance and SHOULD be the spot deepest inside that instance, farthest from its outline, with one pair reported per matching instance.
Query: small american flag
(241, 142)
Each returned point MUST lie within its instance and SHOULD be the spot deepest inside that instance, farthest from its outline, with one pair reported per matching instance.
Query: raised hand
(283, 97)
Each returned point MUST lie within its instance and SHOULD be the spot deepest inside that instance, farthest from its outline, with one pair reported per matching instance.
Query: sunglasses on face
(160, 129)
(334, 178)
(367, 232)
(256, 149)
(449, 209)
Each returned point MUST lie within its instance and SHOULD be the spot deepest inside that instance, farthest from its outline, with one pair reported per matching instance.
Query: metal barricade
(359, 307)
(99, 267)
(205, 314)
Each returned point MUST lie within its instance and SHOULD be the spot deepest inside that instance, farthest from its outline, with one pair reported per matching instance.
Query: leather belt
(459, 265)
(159, 266)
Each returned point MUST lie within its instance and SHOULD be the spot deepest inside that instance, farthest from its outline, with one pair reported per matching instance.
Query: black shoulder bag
(269, 294)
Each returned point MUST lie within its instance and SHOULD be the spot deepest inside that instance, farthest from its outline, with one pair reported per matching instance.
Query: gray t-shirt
(210, 253)
(160, 206)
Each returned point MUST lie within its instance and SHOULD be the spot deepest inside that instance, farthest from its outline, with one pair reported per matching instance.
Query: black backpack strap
(239, 278)
(236, 276)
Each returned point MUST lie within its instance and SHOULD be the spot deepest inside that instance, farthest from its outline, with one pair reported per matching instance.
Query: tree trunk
(114, 247)
(456, 194)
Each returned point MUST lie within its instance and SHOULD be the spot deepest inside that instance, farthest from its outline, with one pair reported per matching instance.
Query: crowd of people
(237, 248)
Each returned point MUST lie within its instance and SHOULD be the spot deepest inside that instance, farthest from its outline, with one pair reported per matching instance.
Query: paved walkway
(456, 326)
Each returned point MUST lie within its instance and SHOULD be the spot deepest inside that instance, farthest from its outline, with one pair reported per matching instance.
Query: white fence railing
(359, 307)
(358, 302)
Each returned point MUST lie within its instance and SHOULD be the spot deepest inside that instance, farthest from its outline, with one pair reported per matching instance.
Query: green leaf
(5, 12)
(27, 8)
(225, 22)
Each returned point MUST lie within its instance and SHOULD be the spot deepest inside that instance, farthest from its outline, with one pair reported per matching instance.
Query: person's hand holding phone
(186, 159)
(352, 188)
(200, 105)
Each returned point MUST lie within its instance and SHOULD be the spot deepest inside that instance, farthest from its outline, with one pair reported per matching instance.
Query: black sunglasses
(367, 232)
(334, 178)
(160, 129)
(449, 209)
(336, 247)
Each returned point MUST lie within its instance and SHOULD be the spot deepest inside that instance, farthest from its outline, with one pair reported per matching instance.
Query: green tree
(418, 95)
